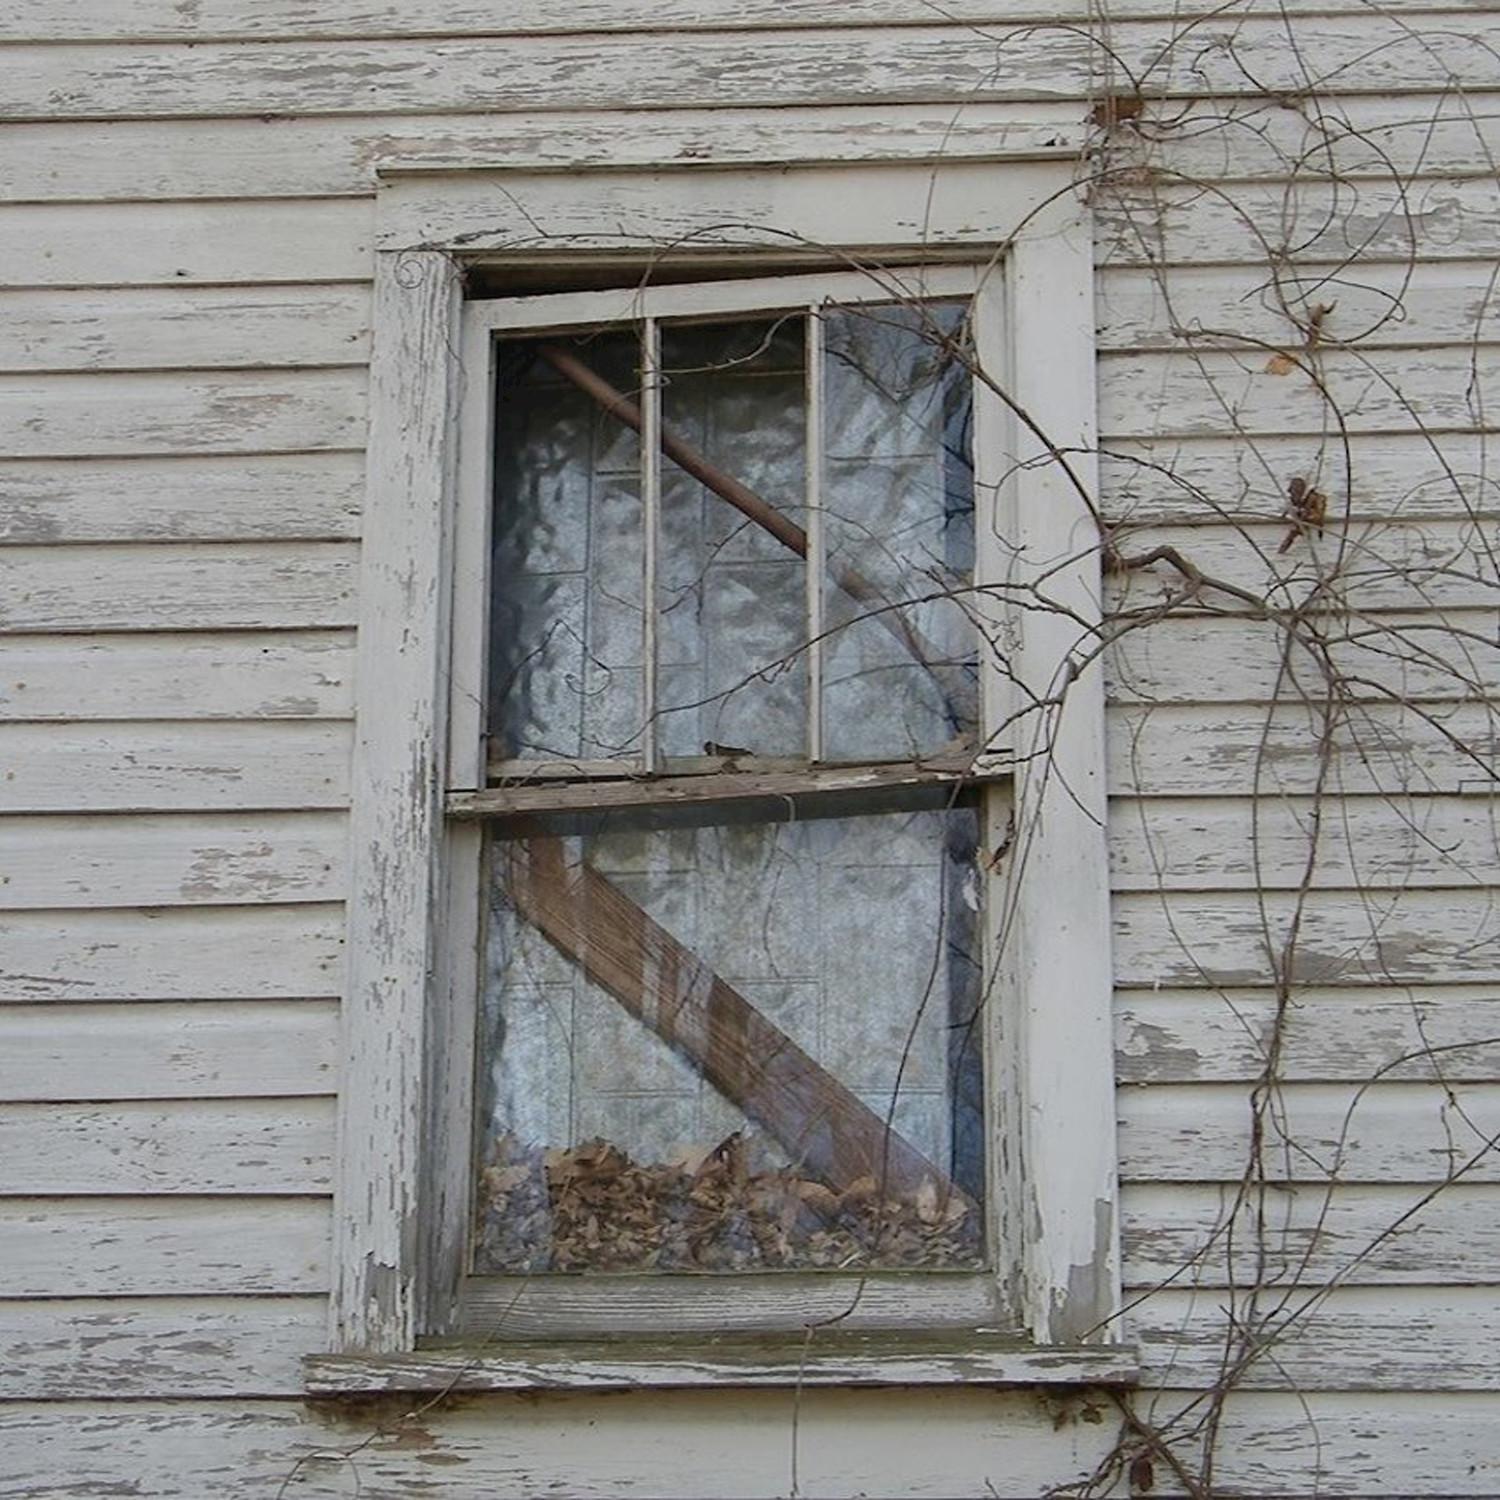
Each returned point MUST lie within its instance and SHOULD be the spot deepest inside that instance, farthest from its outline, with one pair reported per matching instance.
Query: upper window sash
(652, 311)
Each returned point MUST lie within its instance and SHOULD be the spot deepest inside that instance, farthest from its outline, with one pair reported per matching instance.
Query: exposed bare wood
(293, 674)
(66, 1348)
(1327, 1035)
(163, 1247)
(263, 497)
(837, 1358)
(1314, 1133)
(168, 1051)
(123, 767)
(1370, 843)
(92, 588)
(1345, 937)
(161, 412)
(184, 328)
(1365, 1235)
(738, 781)
(221, 1146)
(203, 953)
(826, 1129)
(1033, 60)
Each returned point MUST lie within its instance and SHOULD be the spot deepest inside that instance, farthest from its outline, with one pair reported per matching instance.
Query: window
(697, 991)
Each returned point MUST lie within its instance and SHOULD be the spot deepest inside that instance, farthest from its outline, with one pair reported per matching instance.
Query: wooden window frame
(399, 1206)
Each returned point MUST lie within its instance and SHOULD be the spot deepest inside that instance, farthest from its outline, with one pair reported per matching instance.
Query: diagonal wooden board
(827, 1131)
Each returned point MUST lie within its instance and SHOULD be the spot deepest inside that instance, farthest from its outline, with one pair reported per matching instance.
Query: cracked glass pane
(734, 1038)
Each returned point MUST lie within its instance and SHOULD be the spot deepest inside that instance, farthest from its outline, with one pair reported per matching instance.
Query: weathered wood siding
(186, 249)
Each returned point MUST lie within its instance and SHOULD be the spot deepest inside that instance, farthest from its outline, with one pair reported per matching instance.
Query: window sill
(829, 1359)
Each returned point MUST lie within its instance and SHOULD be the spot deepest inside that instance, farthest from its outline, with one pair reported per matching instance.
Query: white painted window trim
(1059, 1202)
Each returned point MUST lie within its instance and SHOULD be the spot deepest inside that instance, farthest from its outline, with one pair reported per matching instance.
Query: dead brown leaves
(592, 1208)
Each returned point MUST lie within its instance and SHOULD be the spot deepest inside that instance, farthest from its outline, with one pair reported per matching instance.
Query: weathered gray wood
(170, 244)
(1316, 1132)
(1344, 937)
(921, 1443)
(239, 497)
(1405, 657)
(258, 157)
(1371, 843)
(156, 1247)
(270, 675)
(184, 328)
(1382, 476)
(1312, 220)
(1378, 307)
(1187, 1036)
(1368, 565)
(1363, 53)
(1191, 749)
(1205, 392)
(836, 1359)
(171, 859)
(159, 412)
(1176, 1232)
(209, 953)
(206, 1049)
(260, 20)
(1355, 1339)
(62, 1350)
(96, 587)
(396, 790)
(165, 767)
(220, 1146)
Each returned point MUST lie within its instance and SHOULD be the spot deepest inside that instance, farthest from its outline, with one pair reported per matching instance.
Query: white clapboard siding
(1353, 1339)
(1452, 219)
(332, 155)
(1390, 477)
(218, 1146)
(171, 859)
(261, 675)
(1369, 565)
(238, 497)
(1038, 59)
(1203, 393)
(1184, 750)
(233, 411)
(1377, 937)
(278, 156)
(202, 953)
(71, 1348)
(260, 20)
(1219, 843)
(90, 588)
(205, 1049)
(1177, 1233)
(1314, 1132)
(150, 328)
(161, 1246)
(1382, 307)
(1434, 1033)
(923, 1444)
(169, 244)
(1384, 658)
(125, 767)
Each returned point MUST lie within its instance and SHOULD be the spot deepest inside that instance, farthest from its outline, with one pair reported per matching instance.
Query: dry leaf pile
(592, 1208)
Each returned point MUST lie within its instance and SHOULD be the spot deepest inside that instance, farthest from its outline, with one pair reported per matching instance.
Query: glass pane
(742, 1044)
(898, 497)
(732, 596)
(566, 621)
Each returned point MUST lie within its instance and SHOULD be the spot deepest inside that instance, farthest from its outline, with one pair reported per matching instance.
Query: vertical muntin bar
(651, 520)
(814, 568)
